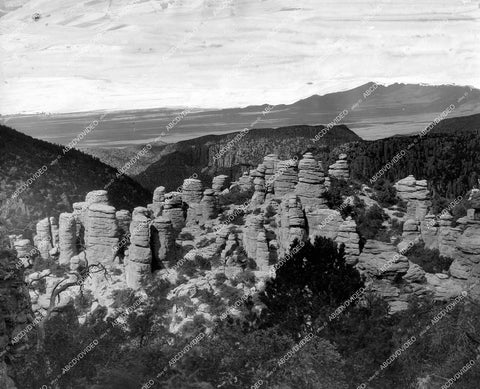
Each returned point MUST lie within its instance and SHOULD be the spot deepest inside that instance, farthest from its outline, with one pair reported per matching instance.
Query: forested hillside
(47, 185)
(449, 162)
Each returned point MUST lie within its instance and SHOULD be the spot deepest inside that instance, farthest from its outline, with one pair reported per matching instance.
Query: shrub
(385, 193)
(235, 196)
(247, 277)
(337, 191)
(429, 260)
(370, 224)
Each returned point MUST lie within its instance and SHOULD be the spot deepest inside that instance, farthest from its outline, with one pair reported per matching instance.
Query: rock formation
(292, 223)
(192, 191)
(101, 232)
(340, 169)
(67, 238)
(158, 201)
(285, 178)
(208, 205)
(173, 210)
(381, 260)
(163, 242)
(220, 183)
(139, 256)
(24, 248)
(311, 182)
(259, 185)
(43, 239)
(411, 230)
(347, 235)
(416, 194)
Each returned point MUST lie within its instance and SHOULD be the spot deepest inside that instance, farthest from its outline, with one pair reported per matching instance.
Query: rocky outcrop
(411, 230)
(417, 196)
(163, 242)
(429, 231)
(220, 183)
(139, 255)
(192, 191)
(447, 236)
(97, 197)
(173, 210)
(467, 262)
(209, 205)
(101, 232)
(124, 219)
(291, 222)
(285, 178)
(67, 238)
(259, 185)
(43, 238)
(340, 169)
(253, 226)
(311, 182)
(381, 260)
(24, 248)
(323, 222)
(158, 201)
(347, 235)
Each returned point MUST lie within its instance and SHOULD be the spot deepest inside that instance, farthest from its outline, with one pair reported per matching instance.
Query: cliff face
(234, 153)
(15, 317)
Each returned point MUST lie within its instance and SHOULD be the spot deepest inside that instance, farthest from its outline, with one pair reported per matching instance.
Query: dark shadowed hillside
(62, 182)
(449, 162)
(469, 123)
(197, 156)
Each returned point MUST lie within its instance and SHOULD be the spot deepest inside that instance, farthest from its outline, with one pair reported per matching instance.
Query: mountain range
(372, 111)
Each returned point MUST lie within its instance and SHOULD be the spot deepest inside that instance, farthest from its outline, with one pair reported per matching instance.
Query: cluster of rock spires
(288, 203)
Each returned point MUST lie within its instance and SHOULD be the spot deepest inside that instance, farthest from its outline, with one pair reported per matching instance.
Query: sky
(82, 55)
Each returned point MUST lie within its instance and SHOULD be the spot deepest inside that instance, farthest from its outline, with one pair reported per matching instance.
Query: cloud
(138, 54)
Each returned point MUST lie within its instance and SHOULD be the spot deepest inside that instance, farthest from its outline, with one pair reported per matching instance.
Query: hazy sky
(123, 54)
